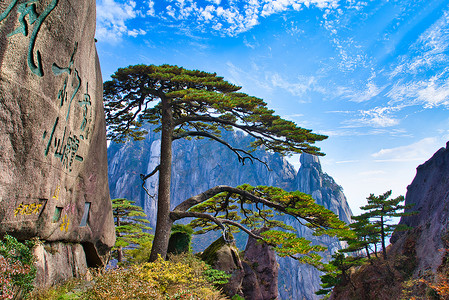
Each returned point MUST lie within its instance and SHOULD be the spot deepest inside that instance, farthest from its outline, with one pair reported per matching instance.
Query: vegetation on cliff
(354, 275)
(17, 271)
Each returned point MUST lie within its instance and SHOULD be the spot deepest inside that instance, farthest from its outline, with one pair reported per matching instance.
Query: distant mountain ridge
(202, 164)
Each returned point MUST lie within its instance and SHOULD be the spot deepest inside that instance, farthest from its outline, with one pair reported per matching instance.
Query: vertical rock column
(53, 163)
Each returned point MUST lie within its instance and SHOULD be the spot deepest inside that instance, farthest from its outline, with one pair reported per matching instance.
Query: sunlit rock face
(202, 164)
(53, 179)
(428, 195)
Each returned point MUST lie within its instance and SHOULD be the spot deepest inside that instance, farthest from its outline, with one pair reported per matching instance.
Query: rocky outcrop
(261, 271)
(254, 274)
(53, 180)
(202, 164)
(225, 257)
(428, 195)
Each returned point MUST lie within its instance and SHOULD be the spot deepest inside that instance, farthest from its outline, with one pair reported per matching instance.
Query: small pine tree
(130, 228)
(380, 209)
(365, 234)
(337, 272)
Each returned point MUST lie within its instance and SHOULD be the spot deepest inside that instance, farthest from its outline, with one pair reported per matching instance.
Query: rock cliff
(53, 179)
(429, 196)
(199, 165)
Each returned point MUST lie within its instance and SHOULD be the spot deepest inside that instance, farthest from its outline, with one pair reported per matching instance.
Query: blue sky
(372, 75)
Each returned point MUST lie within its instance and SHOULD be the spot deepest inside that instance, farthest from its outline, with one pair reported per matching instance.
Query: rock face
(225, 257)
(253, 276)
(53, 180)
(199, 165)
(261, 271)
(429, 195)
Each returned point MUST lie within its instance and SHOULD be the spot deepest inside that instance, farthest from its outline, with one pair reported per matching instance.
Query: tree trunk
(119, 249)
(382, 232)
(367, 252)
(163, 221)
(120, 254)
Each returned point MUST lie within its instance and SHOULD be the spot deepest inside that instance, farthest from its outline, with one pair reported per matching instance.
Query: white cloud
(136, 32)
(276, 6)
(236, 17)
(419, 151)
(368, 92)
(299, 88)
(428, 55)
(111, 20)
(151, 11)
(378, 117)
(347, 161)
(429, 93)
(429, 52)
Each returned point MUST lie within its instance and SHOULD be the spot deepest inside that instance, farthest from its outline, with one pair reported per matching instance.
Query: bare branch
(145, 177)
(213, 137)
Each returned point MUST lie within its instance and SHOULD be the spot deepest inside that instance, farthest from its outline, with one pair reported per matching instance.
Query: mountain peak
(309, 160)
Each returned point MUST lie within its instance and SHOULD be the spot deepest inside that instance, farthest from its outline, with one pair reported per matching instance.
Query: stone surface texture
(202, 164)
(429, 196)
(225, 257)
(52, 132)
(261, 271)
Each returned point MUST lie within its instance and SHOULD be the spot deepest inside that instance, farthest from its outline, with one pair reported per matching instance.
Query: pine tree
(380, 210)
(365, 234)
(130, 228)
(189, 104)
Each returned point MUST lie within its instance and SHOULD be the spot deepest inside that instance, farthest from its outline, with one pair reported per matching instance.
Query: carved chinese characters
(53, 165)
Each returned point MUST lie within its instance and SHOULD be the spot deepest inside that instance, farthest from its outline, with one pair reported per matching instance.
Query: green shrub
(17, 271)
(216, 277)
(180, 239)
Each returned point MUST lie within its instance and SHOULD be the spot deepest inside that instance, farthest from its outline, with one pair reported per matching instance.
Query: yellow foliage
(179, 278)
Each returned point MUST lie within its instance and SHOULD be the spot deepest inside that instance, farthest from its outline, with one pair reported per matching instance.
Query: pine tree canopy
(202, 104)
(246, 207)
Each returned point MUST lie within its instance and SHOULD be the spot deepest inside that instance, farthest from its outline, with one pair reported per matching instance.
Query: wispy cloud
(378, 117)
(354, 132)
(430, 51)
(111, 20)
(367, 92)
(419, 151)
(428, 55)
(300, 87)
(150, 9)
(429, 93)
(347, 161)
